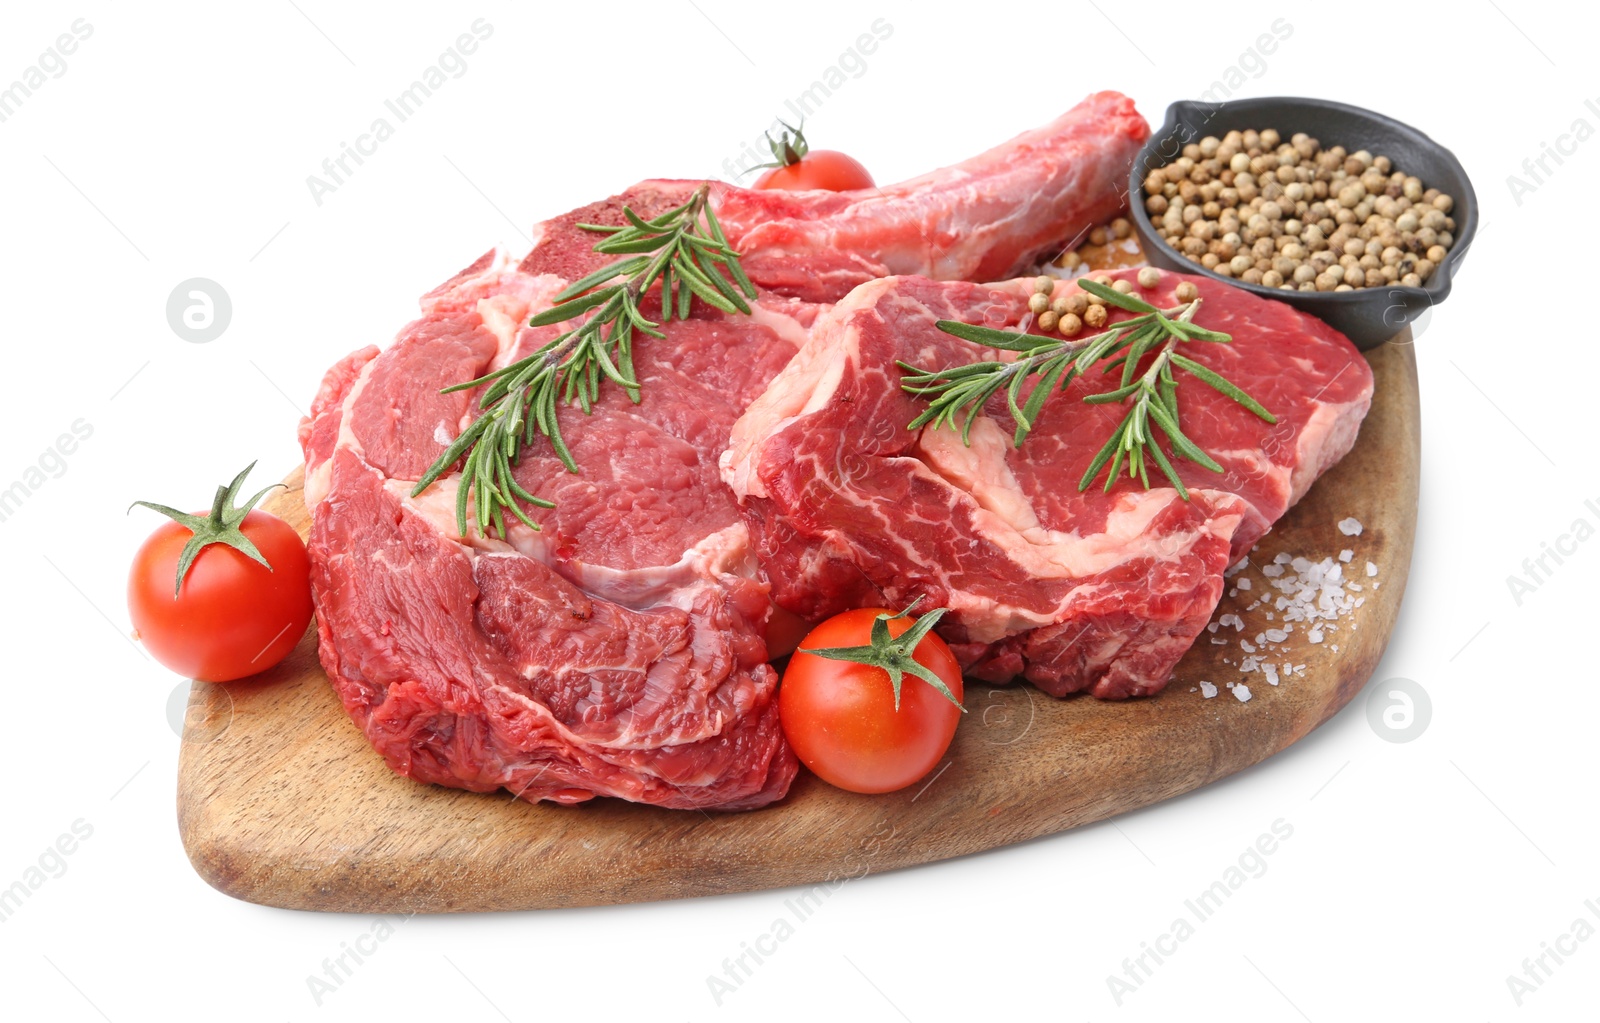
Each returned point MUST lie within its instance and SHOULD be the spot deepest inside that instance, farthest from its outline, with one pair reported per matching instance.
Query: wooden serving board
(282, 802)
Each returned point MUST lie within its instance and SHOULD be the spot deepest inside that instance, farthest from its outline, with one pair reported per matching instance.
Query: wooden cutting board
(282, 802)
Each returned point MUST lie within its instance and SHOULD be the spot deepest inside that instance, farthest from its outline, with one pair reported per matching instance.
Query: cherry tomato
(840, 715)
(820, 168)
(229, 616)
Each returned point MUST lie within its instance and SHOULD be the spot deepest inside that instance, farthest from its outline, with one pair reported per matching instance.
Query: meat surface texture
(1093, 591)
(621, 650)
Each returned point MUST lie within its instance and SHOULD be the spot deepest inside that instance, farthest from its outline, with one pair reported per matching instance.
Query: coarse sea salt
(1315, 593)
(1318, 594)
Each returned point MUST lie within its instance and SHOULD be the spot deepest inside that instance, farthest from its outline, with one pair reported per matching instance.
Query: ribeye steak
(1073, 591)
(621, 650)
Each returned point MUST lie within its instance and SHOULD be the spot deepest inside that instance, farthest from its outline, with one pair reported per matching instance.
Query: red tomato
(230, 616)
(820, 168)
(840, 716)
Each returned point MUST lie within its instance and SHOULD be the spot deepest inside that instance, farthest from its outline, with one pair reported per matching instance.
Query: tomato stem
(787, 151)
(895, 656)
(220, 526)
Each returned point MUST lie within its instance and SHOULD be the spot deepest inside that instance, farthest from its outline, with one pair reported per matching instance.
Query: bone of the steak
(982, 220)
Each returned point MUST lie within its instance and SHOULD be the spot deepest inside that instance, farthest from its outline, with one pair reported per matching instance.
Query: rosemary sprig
(1056, 363)
(685, 249)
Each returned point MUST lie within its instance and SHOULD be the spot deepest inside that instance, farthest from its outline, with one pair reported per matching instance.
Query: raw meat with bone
(621, 650)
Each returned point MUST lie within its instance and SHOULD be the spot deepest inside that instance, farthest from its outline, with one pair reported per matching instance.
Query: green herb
(1152, 395)
(220, 526)
(895, 655)
(685, 249)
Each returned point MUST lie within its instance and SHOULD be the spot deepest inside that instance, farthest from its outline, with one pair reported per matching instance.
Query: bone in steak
(1073, 591)
(621, 651)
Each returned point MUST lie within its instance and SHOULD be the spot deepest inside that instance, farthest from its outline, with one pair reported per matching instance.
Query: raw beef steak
(621, 650)
(1073, 591)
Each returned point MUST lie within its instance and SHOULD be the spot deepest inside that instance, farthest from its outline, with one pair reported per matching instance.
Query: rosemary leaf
(1222, 384)
(1112, 296)
(1009, 340)
(571, 309)
(1167, 470)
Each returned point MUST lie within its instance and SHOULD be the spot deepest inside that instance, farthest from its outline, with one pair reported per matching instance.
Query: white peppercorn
(1256, 206)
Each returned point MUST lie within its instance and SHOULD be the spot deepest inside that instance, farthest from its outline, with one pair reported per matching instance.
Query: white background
(178, 145)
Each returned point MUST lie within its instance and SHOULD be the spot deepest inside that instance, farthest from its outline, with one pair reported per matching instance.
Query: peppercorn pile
(1295, 216)
(1075, 310)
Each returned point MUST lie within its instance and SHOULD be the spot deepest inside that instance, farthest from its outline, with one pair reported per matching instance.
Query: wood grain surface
(282, 802)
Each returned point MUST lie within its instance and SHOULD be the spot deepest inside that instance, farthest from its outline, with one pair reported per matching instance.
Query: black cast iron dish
(1367, 316)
